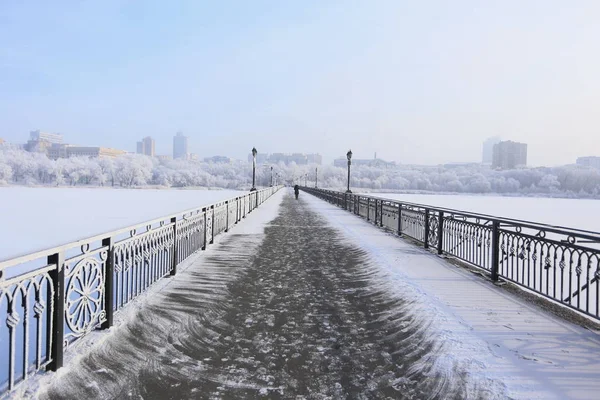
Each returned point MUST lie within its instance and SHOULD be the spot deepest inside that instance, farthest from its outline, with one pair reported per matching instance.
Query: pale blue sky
(417, 81)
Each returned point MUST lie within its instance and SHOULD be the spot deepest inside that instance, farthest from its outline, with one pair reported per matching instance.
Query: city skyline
(379, 76)
(147, 147)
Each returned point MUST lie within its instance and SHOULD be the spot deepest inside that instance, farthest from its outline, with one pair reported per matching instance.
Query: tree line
(27, 168)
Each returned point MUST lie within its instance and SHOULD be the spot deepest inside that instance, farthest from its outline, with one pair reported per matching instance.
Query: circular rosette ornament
(84, 296)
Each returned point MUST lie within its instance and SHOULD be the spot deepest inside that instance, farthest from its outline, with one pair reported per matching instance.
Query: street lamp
(271, 176)
(349, 156)
(254, 152)
(316, 176)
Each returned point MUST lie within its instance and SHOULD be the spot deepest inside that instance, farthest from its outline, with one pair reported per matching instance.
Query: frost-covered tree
(25, 168)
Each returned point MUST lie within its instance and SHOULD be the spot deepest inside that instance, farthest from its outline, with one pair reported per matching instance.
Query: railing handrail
(559, 263)
(40, 253)
(592, 235)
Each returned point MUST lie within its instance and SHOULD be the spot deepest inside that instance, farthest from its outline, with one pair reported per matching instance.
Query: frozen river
(39, 218)
(572, 213)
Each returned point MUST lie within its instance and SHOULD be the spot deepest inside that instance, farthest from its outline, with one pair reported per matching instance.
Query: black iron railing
(559, 263)
(51, 298)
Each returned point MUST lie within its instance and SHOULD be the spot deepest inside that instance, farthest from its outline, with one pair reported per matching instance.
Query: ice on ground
(35, 219)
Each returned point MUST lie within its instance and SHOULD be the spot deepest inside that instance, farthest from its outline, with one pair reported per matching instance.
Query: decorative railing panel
(413, 222)
(50, 299)
(141, 260)
(469, 241)
(84, 295)
(559, 263)
(26, 308)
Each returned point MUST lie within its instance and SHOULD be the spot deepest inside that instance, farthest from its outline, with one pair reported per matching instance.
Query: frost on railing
(52, 298)
(562, 264)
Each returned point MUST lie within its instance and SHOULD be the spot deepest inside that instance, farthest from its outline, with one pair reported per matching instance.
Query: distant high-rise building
(146, 146)
(45, 136)
(41, 141)
(488, 149)
(591, 161)
(314, 159)
(180, 146)
(509, 155)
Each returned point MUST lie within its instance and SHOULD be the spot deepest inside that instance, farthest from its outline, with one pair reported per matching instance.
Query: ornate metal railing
(51, 298)
(561, 264)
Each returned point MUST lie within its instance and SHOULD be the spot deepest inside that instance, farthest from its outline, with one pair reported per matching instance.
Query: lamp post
(254, 152)
(316, 176)
(349, 156)
(271, 176)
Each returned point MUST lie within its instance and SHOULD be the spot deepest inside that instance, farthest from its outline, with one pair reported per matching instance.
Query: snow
(571, 213)
(253, 226)
(500, 340)
(505, 346)
(35, 219)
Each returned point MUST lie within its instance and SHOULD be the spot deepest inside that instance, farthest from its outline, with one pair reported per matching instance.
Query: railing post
(356, 204)
(212, 224)
(426, 239)
(381, 213)
(440, 233)
(205, 228)
(495, 250)
(174, 251)
(227, 216)
(237, 210)
(376, 211)
(57, 331)
(368, 207)
(109, 272)
(399, 219)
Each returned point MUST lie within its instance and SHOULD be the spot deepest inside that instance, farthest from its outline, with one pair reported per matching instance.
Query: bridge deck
(304, 299)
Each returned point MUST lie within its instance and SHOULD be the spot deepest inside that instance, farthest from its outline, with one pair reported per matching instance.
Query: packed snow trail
(295, 311)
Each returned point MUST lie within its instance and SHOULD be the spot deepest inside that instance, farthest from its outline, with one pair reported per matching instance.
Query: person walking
(296, 191)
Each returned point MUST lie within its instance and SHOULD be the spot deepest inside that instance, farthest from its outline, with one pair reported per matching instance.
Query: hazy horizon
(422, 83)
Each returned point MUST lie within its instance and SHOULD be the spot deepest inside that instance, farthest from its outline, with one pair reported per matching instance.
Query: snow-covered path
(491, 333)
(304, 299)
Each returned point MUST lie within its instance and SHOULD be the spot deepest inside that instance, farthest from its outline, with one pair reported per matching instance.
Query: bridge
(334, 295)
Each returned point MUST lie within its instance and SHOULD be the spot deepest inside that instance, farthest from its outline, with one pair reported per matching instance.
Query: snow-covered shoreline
(34, 219)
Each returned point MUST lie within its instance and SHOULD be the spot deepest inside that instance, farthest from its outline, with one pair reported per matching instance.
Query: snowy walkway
(304, 299)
